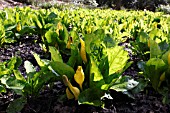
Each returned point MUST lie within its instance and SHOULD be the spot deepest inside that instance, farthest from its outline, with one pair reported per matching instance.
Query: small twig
(32, 109)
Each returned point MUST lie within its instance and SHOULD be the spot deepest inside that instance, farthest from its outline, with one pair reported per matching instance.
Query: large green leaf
(52, 16)
(118, 60)
(124, 83)
(100, 34)
(17, 105)
(62, 69)
(110, 81)
(13, 83)
(165, 57)
(64, 34)
(143, 37)
(16, 85)
(51, 37)
(4, 79)
(154, 49)
(95, 74)
(155, 32)
(104, 71)
(41, 78)
(140, 87)
(89, 39)
(154, 68)
(75, 58)
(91, 96)
(109, 41)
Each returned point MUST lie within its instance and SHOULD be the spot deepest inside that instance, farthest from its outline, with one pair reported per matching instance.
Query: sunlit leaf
(55, 54)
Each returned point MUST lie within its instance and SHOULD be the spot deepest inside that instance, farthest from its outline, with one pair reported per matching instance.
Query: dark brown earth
(9, 3)
(50, 100)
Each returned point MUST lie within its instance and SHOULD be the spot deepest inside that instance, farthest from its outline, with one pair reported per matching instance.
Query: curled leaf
(73, 89)
(162, 77)
(59, 27)
(18, 27)
(169, 58)
(69, 94)
(79, 76)
(149, 43)
(65, 80)
(70, 41)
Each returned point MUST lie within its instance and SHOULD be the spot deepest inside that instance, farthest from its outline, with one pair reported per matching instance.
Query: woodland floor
(49, 101)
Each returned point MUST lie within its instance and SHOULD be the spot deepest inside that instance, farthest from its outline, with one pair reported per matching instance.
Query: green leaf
(30, 70)
(95, 39)
(27, 29)
(89, 38)
(37, 22)
(4, 70)
(154, 68)
(62, 69)
(124, 84)
(16, 85)
(141, 65)
(37, 58)
(100, 34)
(91, 96)
(14, 63)
(163, 45)
(13, 83)
(17, 105)
(104, 71)
(118, 60)
(94, 71)
(29, 67)
(52, 15)
(2, 89)
(154, 49)
(51, 37)
(109, 41)
(155, 32)
(74, 35)
(55, 54)
(165, 56)
(64, 34)
(75, 58)
(143, 37)
(11, 27)
(110, 81)
(3, 80)
(18, 75)
(49, 26)
(140, 87)
(41, 78)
